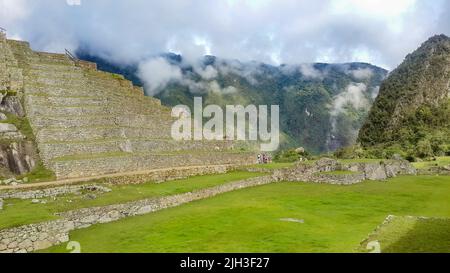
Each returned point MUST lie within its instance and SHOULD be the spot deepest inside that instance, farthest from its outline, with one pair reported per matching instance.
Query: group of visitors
(264, 159)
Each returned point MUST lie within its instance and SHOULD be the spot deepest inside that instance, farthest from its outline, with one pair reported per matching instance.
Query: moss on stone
(22, 124)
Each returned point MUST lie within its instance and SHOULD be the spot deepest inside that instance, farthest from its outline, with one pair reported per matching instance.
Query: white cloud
(309, 71)
(362, 73)
(208, 73)
(12, 11)
(215, 87)
(157, 73)
(380, 32)
(375, 92)
(353, 95)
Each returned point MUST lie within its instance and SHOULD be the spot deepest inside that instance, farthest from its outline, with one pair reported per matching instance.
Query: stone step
(100, 132)
(81, 88)
(88, 110)
(100, 164)
(52, 101)
(76, 73)
(73, 82)
(125, 120)
(106, 109)
(51, 67)
(71, 90)
(60, 59)
(145, 104)
(50, 150)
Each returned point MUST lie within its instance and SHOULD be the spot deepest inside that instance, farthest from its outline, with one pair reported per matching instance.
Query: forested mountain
(322, 105)
(412, 111)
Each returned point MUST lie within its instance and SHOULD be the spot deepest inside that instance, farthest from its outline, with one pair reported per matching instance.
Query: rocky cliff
(87, 122)
(18, 153)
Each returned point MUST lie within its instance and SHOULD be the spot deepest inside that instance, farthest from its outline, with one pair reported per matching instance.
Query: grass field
(414, 235)
(21, 212)
(336, 219)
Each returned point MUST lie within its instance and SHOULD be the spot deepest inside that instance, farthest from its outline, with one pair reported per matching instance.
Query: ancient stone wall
(52, 192)
(339, 179)
(321, 171)
(18, 154)
(88, 122)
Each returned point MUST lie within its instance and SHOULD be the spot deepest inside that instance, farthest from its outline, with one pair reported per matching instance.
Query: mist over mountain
(322, 105)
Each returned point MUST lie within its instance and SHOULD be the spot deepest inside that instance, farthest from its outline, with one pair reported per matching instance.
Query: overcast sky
(380, 32)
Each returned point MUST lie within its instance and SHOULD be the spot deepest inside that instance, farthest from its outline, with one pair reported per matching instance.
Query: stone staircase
(88, 122)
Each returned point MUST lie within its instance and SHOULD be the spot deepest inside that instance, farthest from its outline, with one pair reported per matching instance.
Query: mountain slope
(322, 105)
(412, 110)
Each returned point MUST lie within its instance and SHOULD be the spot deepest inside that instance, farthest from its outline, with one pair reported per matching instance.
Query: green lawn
(336, 218)
(21, 212)
(441, 161)
(414, 235)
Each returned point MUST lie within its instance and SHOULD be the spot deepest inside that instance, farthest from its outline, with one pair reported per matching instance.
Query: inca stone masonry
(88, 122)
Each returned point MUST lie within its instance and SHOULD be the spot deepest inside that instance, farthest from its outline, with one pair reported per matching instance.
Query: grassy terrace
(440, 161)
(336, 219)
(21, 212)
(39, 174)
(126, 154)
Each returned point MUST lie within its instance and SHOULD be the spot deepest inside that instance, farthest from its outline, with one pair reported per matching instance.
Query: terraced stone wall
(89, 122)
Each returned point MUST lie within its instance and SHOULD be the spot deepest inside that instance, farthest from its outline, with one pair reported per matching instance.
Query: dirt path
(70, 181)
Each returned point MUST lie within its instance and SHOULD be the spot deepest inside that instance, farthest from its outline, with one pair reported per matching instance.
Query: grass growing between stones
(414, 235)
(22, 124)
(336, 219)
(39, 174)
(91, 156)
(21, 212)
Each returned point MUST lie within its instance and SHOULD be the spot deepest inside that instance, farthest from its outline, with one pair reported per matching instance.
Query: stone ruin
(322, 171)
(88, 122)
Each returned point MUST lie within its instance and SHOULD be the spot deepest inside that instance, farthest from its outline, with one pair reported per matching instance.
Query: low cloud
(282, 31)
(308, 71)
(362, 73)
(375, 92)
(215, 87)
(248, 71)
(207, 73)
(354, 95)
(156, 73)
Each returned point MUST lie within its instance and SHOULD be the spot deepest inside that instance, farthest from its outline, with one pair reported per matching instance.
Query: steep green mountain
(322, 105)
(412, 111)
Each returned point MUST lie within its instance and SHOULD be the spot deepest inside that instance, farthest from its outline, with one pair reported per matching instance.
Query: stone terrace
(88, 122)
